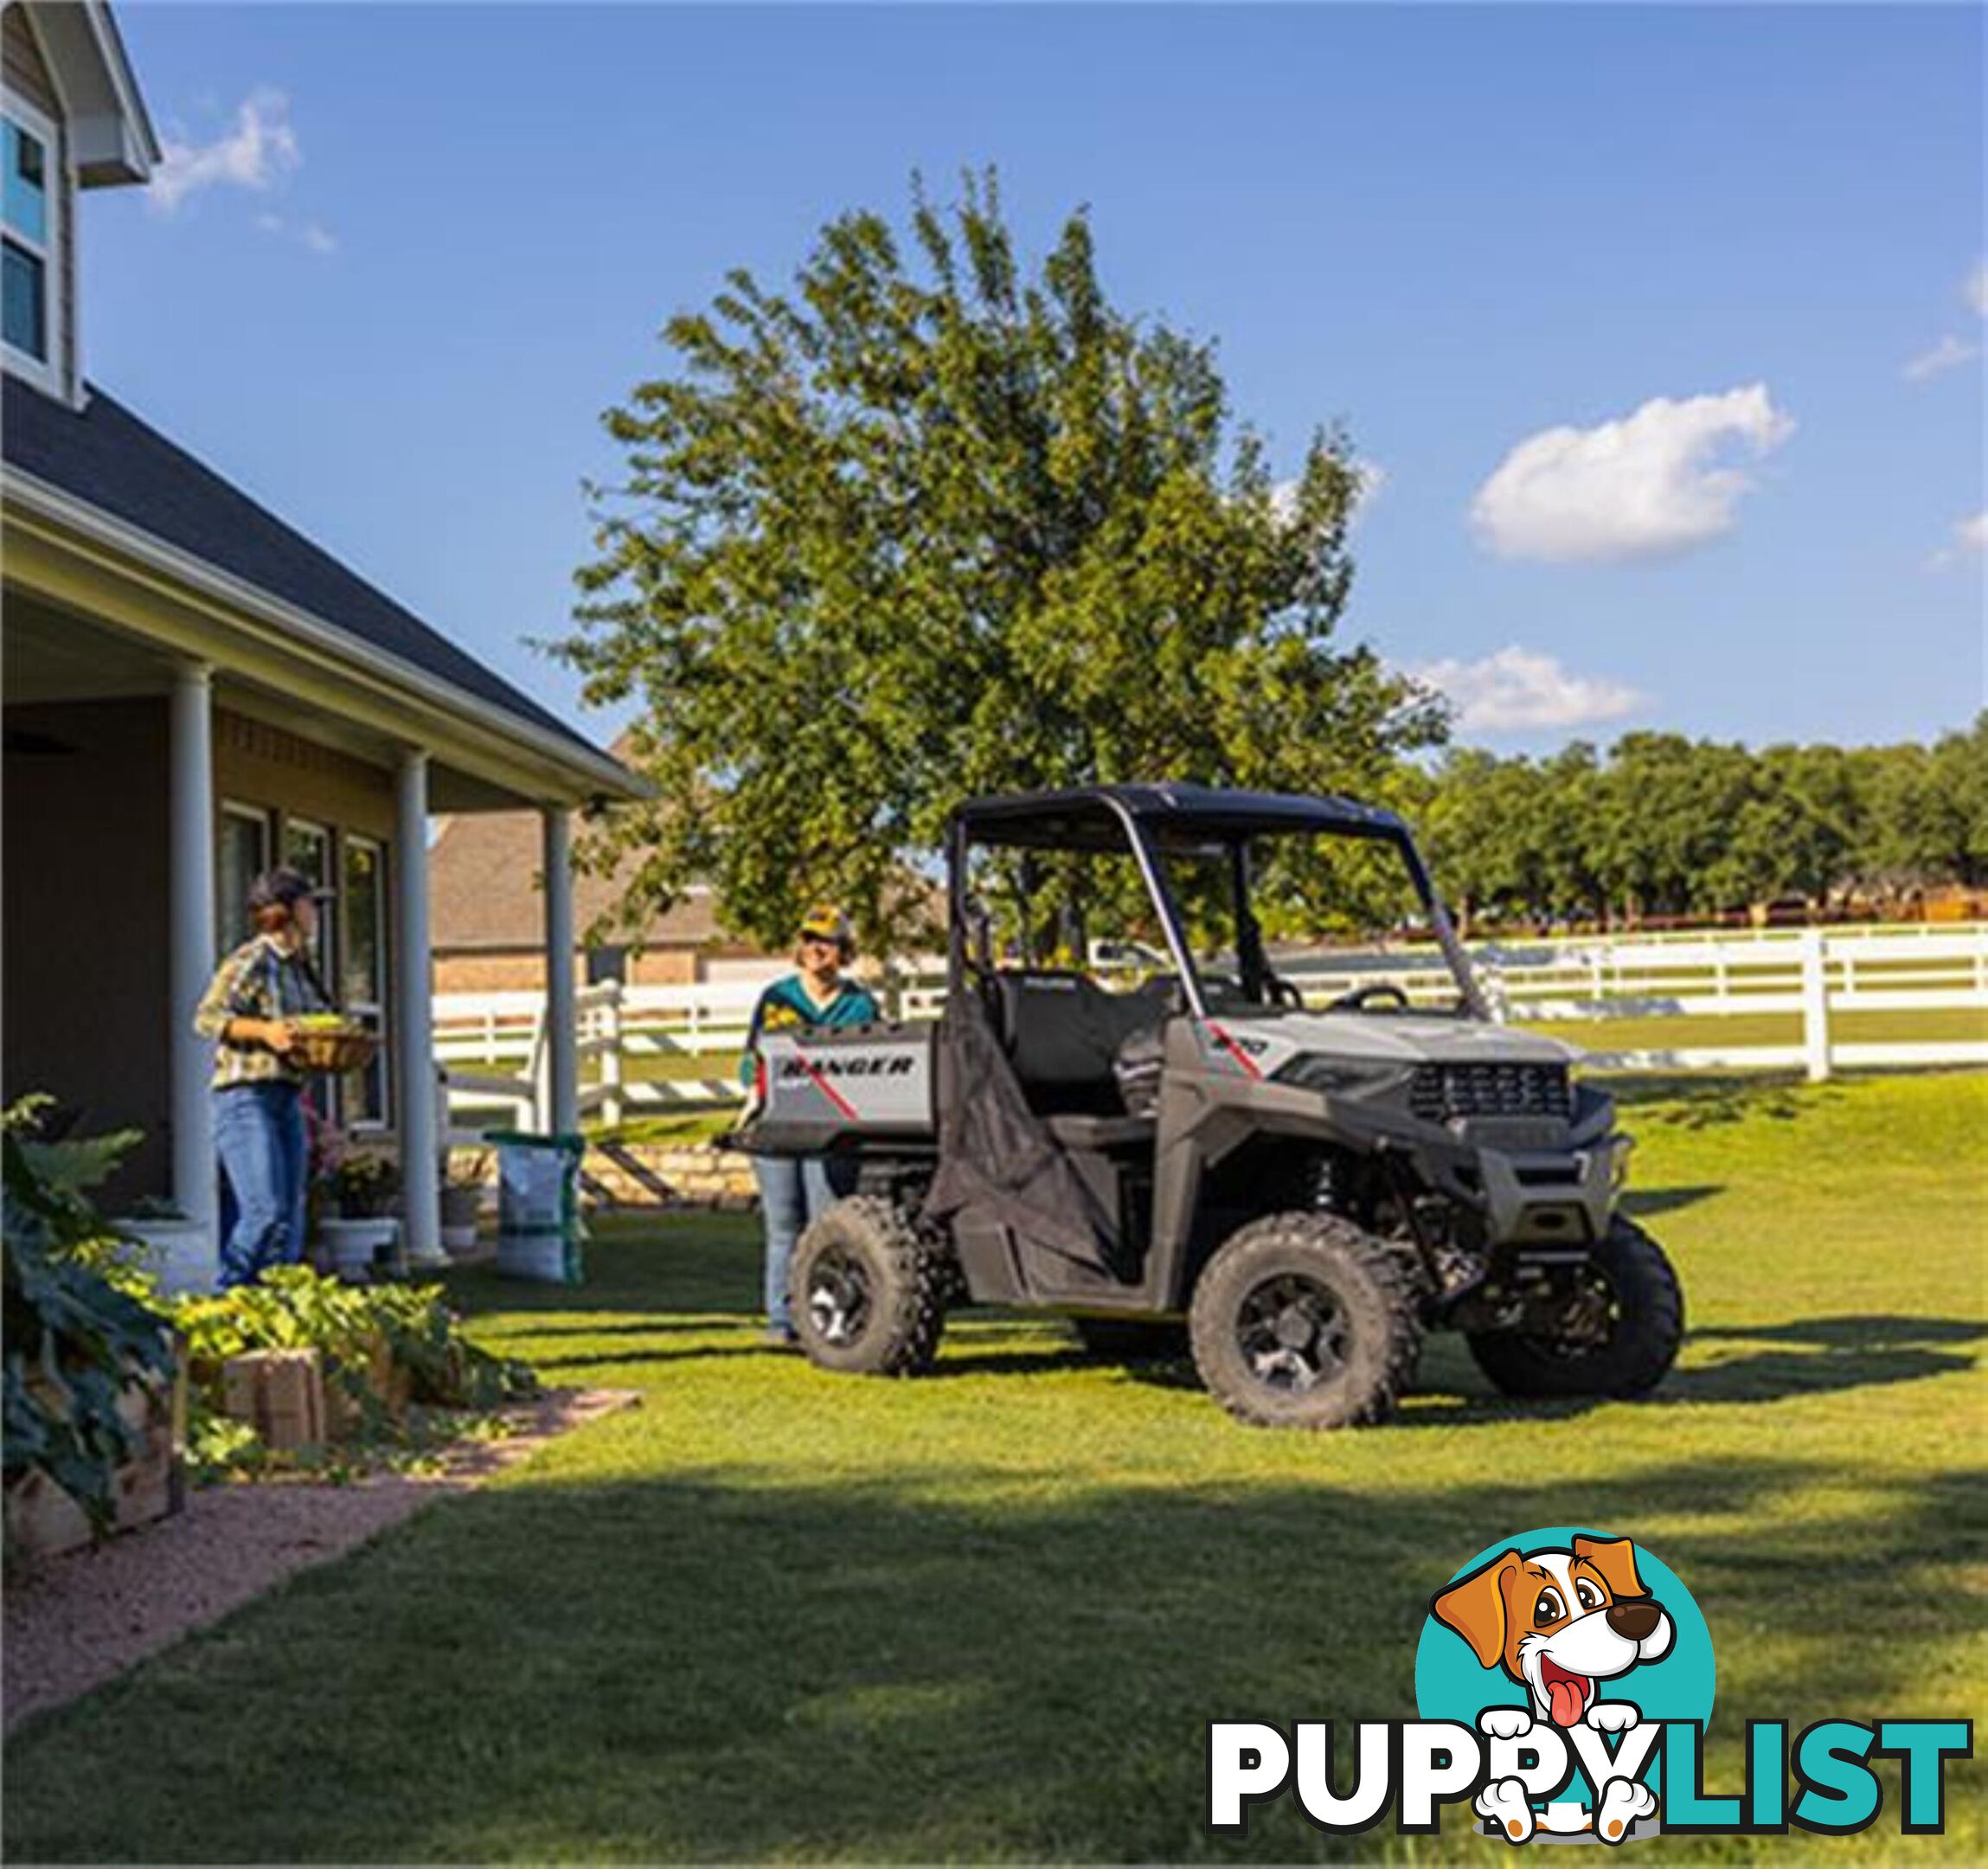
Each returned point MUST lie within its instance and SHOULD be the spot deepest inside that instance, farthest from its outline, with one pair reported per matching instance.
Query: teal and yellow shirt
(785, 1006)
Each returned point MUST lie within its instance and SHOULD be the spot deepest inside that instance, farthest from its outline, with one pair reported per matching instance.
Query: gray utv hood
(1405, 1038)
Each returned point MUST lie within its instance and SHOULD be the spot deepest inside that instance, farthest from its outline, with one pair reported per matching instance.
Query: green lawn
(776, 1614)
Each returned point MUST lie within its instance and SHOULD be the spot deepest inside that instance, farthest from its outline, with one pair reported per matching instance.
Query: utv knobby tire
(1131, 1339)
(1646, 1328)
(865, 1249)
(1327, 1263)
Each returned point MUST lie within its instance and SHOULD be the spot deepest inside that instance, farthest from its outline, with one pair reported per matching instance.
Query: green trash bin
(539, 1226)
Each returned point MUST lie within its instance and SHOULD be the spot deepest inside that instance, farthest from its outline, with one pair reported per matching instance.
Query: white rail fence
(651, 1049)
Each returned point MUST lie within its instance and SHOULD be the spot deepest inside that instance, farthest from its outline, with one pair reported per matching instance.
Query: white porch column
(413, 1017)
(190, 943)
(561, 1017)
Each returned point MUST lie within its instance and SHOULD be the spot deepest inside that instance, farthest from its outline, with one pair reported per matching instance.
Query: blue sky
(404, 256)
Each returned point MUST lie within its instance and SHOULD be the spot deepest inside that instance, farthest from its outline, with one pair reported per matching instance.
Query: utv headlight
(1312, 1071)
(1619, 1164)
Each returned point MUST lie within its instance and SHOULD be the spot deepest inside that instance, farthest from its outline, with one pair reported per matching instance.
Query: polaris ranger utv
(1312, 1189)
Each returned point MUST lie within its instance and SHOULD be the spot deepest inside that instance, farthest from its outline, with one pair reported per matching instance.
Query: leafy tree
(929, 525)
(1958, 779)
(1668, 825)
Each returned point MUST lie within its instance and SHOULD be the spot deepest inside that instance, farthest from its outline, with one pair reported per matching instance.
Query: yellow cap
(827, 922)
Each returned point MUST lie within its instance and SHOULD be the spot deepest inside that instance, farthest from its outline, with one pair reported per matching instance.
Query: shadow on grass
(937, 1665)
(616, 1358)
(1644, 1202)
(1843, 1352)
(1701, 1101)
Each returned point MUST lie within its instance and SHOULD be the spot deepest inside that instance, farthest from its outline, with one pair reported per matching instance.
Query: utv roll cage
(1150, 820)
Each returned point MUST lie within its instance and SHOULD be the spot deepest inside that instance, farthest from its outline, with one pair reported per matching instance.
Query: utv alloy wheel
(1617, 1333)
(1292, 1332)
(838, 1297)
(868, 1291)
(1303, 1320)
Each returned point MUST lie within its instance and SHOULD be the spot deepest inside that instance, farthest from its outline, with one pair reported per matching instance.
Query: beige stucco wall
(257, 764)
(85, 993)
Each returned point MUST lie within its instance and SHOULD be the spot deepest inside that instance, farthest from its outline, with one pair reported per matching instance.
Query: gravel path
(74, 1621)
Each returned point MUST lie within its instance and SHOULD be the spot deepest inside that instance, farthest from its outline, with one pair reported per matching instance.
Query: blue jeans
(259, 1132)
(794, 1190)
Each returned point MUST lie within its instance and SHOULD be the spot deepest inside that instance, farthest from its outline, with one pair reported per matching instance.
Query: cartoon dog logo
(1560, 1624)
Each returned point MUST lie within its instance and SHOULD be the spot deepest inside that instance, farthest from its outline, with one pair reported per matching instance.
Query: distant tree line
(1666, 826)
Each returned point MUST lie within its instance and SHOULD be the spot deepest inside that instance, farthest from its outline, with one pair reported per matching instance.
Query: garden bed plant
(392, 1357)
(76, 1345)
(86, 1319)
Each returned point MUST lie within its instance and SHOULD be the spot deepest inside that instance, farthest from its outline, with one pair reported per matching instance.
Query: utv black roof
(1097, 816)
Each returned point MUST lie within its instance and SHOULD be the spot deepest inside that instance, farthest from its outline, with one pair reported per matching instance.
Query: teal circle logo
(1573, 1626)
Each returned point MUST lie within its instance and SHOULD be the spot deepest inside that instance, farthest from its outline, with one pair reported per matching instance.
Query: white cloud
(1647, 484)
(1974, 288)
(1948, 354)
(1970, 540)
(1520, 690)
(257, 153)
(312, 234)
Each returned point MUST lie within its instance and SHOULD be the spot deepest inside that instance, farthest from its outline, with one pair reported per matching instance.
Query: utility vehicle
(1310, 1189)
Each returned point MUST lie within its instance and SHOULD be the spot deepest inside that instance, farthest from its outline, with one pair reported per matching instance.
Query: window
(243, 855)
(362, 970)
(307, 849)
(29, 260)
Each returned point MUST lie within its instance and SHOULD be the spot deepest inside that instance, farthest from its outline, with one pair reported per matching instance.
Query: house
(193, 691)
(487, 920)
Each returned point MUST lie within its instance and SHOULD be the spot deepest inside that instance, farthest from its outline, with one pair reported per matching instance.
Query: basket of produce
(328, 1042)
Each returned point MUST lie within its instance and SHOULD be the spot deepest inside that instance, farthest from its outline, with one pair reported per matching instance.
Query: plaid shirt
(259, 980)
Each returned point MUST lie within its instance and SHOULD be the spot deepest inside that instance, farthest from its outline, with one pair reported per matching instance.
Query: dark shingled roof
(103, 455)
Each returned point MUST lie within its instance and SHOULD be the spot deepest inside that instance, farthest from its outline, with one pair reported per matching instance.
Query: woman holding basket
(251, 1010)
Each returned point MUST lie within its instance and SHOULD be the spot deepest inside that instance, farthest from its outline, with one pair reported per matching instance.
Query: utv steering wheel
(1361, 997)
(1283, 993)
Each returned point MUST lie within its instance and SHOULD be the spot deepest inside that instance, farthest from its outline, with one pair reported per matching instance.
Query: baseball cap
(283, 885)
(825, 921)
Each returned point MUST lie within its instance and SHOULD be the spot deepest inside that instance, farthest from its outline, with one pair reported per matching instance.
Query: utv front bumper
(1563, 1198)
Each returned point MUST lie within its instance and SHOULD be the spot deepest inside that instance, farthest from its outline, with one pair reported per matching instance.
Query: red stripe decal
(1234, 1051)
(827, 1089)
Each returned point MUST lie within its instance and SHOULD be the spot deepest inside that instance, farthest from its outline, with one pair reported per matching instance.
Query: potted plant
(462, 1200)
(182, 1255)
(362, 1231)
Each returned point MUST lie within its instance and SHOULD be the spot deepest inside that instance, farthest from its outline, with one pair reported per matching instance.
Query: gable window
(30, 262)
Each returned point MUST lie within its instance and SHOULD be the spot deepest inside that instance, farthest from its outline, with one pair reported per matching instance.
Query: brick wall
(522, 969)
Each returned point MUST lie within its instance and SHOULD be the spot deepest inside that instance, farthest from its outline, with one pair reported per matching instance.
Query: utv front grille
(1439, 1092)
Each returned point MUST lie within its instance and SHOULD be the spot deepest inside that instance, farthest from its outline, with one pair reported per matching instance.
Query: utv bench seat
(1063, 1031)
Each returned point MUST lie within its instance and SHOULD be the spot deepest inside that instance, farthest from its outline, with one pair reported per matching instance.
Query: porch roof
(105, 458)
